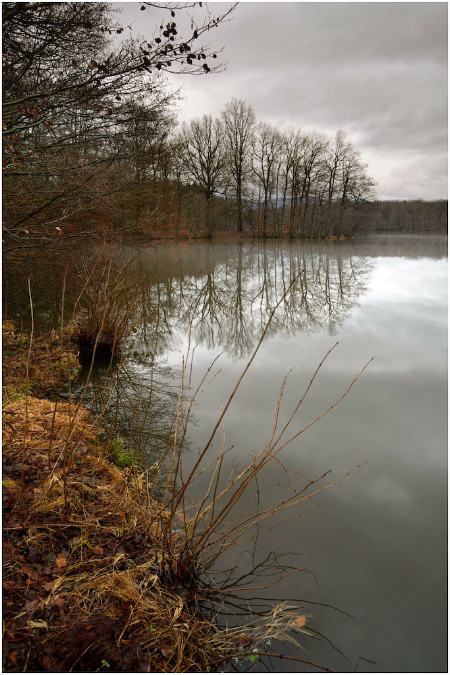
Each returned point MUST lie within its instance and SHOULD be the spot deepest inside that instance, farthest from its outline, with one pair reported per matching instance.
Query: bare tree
(238, 123)
(266, 149)
(292, 140)
(203, 158)
(311, 173)
(67, 90)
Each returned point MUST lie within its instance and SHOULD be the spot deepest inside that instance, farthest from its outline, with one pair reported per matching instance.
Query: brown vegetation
(412, 216)
(86, 585)
(92, 150)
(96, 574)
(106, 301)
(49, 362)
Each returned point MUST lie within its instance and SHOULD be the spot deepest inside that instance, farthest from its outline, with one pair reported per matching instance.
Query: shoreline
(87, 584)
(97, 575)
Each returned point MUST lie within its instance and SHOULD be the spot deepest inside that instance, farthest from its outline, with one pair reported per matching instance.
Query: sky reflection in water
(376, 543)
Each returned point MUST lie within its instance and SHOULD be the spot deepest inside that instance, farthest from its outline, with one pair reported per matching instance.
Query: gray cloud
(377, 70)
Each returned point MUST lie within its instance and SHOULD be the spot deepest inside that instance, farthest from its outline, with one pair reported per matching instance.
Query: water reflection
(138, 402)
(222, 296)
(376, 546)
(364, 542)
(228, 295)
(241, 277)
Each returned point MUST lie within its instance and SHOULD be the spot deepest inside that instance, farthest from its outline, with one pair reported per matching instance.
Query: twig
(290, 658)
(230, 398)
(27, 366)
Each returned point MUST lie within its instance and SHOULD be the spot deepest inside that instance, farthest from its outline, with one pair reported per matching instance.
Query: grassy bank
(85, 584)
(90, 583)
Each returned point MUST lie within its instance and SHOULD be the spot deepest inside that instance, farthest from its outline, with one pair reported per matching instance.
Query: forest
(413, 216)
(91, 142)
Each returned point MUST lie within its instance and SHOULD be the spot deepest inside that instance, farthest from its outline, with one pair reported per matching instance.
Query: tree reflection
(225, 297)
(220, 297)
(243, 273)
(137, 399)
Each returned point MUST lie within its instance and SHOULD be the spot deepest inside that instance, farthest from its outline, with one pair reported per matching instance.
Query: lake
(375, 544)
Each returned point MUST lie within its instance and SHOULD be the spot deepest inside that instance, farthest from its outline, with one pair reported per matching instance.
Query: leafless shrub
(141, 565)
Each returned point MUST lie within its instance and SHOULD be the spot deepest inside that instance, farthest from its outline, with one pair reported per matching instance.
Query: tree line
(254, 176)
(414, 216)
(80, 109)
(91, 142)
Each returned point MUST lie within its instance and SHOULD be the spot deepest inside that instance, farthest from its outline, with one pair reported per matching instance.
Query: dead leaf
(59, 601)
(29, 606)
(242, 640)
(300, 621)
(30, 572)
(12, 656)
(167, 652)
(61, 560)
(47, 662)
(98, 549)
(49, 585)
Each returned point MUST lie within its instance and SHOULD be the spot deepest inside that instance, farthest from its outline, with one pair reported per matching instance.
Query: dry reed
(118, 581)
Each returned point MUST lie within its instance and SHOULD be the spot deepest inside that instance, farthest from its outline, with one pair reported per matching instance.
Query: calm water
(375, 545)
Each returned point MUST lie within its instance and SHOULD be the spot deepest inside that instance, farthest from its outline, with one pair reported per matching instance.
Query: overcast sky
(376, 70)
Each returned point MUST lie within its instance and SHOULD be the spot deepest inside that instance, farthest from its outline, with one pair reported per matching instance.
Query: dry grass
(88, 575)
(97, 573)
(93, 580)
(104, 308)
(97, 584)
(50, 362)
